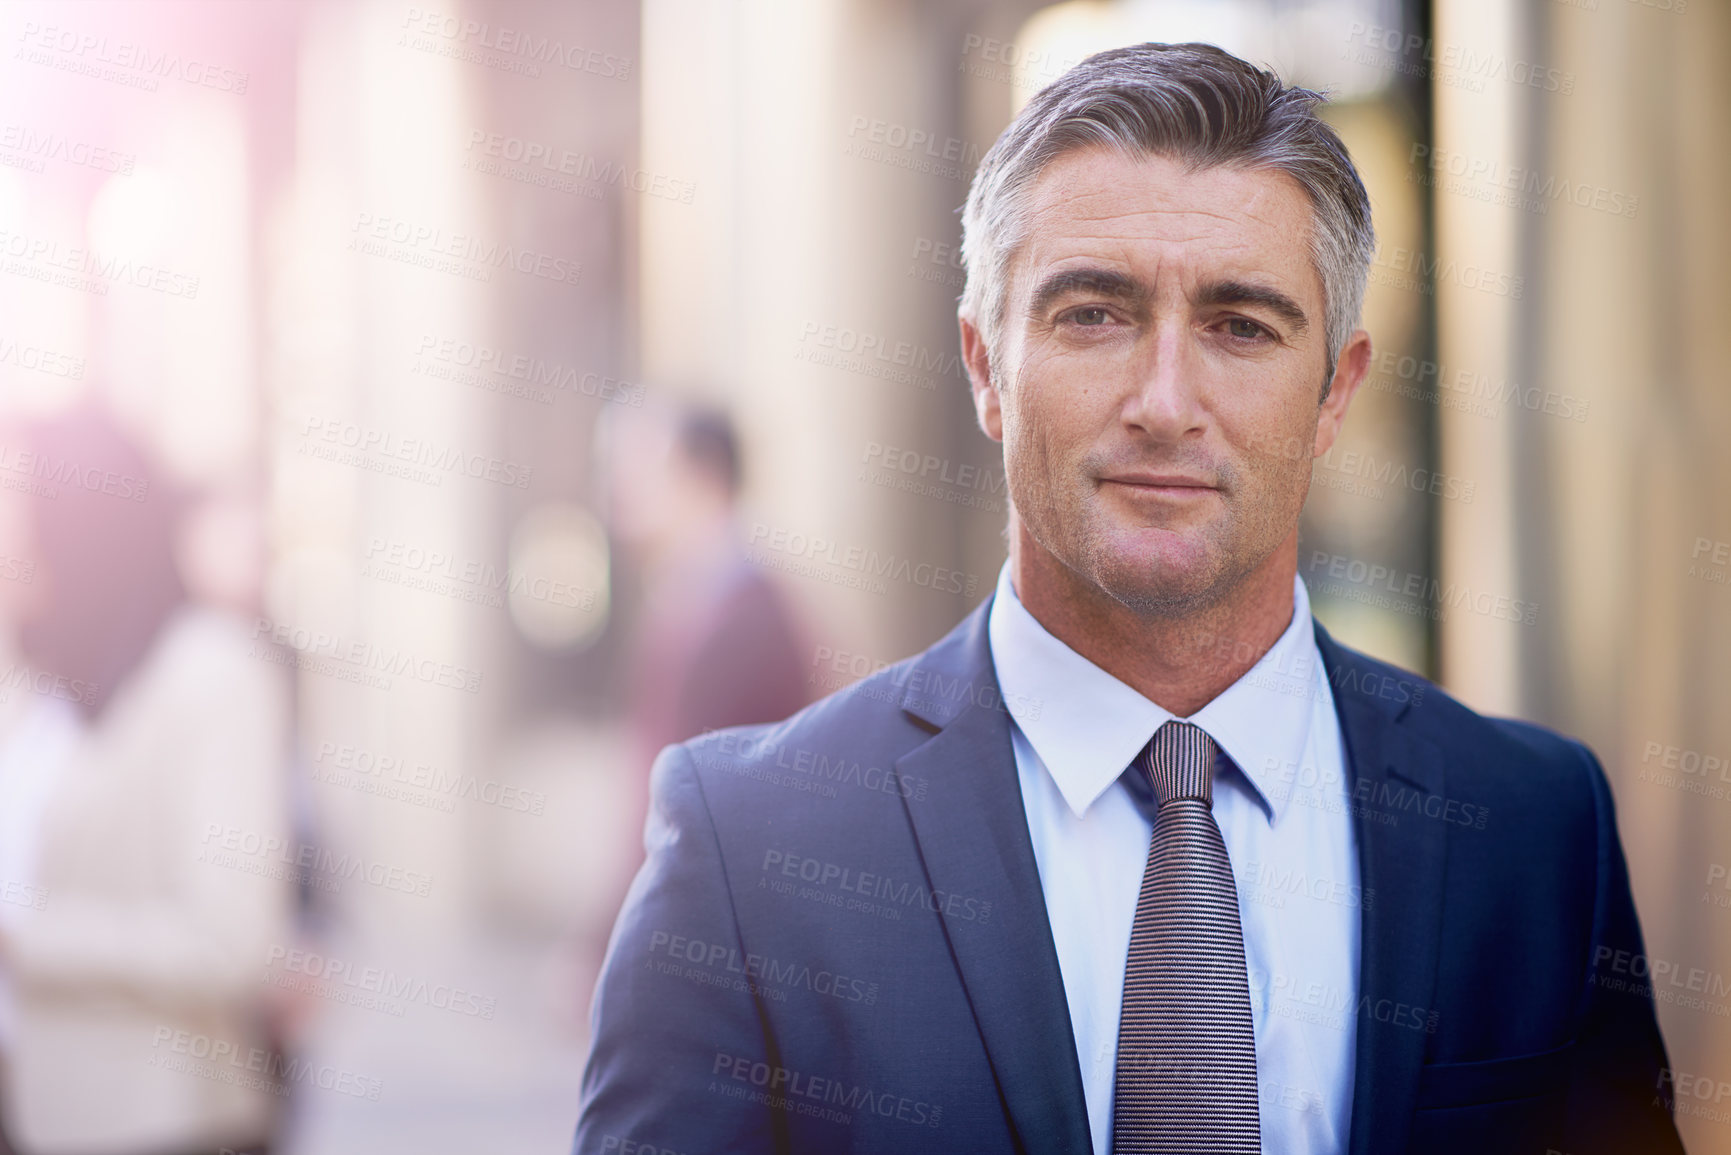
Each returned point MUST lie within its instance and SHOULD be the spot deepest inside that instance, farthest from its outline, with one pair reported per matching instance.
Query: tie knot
(1179, 762)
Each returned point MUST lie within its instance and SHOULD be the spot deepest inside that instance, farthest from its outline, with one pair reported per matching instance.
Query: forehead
(1097, 204)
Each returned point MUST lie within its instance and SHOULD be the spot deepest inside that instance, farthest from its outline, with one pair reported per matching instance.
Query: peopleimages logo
(1543, 188)
(256, 1068)
(137, 65)
(19, 676)
(1366, 581)
(41, 147)
(423, 244)
(53, 471)
(333, 978)
(415, 458)
(40, 360)
(224, 843)
(365, 656)
(581, 166)
(361, 767)
(510, 42)
(867, 563)
(458, 355)
(1411, 269)
(877, 355)
(849, 880)
(47, 261)
(806, 1094)
(1471, 386)
(912, 141)
(1458, 65)
(753, 969)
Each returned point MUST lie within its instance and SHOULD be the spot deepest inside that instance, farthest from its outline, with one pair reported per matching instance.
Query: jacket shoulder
(1502, 760)
(870, 706)
(823, 768)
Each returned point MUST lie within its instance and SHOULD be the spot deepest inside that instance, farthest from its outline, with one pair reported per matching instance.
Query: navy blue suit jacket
(839, 942)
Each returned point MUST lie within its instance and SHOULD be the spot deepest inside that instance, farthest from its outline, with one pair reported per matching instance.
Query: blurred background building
(392, 298)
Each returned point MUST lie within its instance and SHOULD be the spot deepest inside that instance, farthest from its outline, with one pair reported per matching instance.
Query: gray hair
(1191, 102)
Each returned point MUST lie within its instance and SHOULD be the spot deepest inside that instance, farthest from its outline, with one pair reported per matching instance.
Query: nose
(1162, 399)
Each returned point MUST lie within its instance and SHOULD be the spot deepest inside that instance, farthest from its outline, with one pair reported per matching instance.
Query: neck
(1180, 662)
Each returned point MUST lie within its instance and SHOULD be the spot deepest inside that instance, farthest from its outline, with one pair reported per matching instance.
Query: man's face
(1162, 357)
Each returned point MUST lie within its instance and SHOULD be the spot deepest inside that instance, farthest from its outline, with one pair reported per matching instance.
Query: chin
(1166, 575)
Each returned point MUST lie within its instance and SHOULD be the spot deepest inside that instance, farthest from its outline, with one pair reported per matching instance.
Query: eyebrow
(1102, 282)
(1131, 290)
(1243, 293)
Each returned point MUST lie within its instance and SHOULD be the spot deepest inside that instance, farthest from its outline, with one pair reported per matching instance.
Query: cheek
(1032, 424)
(1060, 404)
(1039, 470)
(1025, 453)
(1274, 448)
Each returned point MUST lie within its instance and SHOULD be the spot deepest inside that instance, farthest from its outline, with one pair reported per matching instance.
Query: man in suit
(1138, 858)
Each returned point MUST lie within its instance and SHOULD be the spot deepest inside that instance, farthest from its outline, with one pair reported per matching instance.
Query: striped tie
(1186, 1076)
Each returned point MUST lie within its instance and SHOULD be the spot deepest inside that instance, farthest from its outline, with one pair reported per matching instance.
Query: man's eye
(1091, 317)
(1245, 330)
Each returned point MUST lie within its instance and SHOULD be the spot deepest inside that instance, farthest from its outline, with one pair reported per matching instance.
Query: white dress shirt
(1284, 814)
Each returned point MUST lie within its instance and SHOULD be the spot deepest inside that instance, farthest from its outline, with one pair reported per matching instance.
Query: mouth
(1171, 486)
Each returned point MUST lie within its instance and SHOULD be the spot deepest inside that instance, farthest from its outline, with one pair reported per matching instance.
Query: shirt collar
(1087, 726)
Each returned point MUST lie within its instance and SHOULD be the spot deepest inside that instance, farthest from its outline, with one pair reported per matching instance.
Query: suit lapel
(1398, 789)
(973, 841)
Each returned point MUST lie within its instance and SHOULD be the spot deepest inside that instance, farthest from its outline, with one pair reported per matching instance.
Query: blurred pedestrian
(716, 643)
(142, 737)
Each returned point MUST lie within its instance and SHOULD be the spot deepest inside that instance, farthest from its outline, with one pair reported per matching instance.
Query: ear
(985, 390)
(1349, 374)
